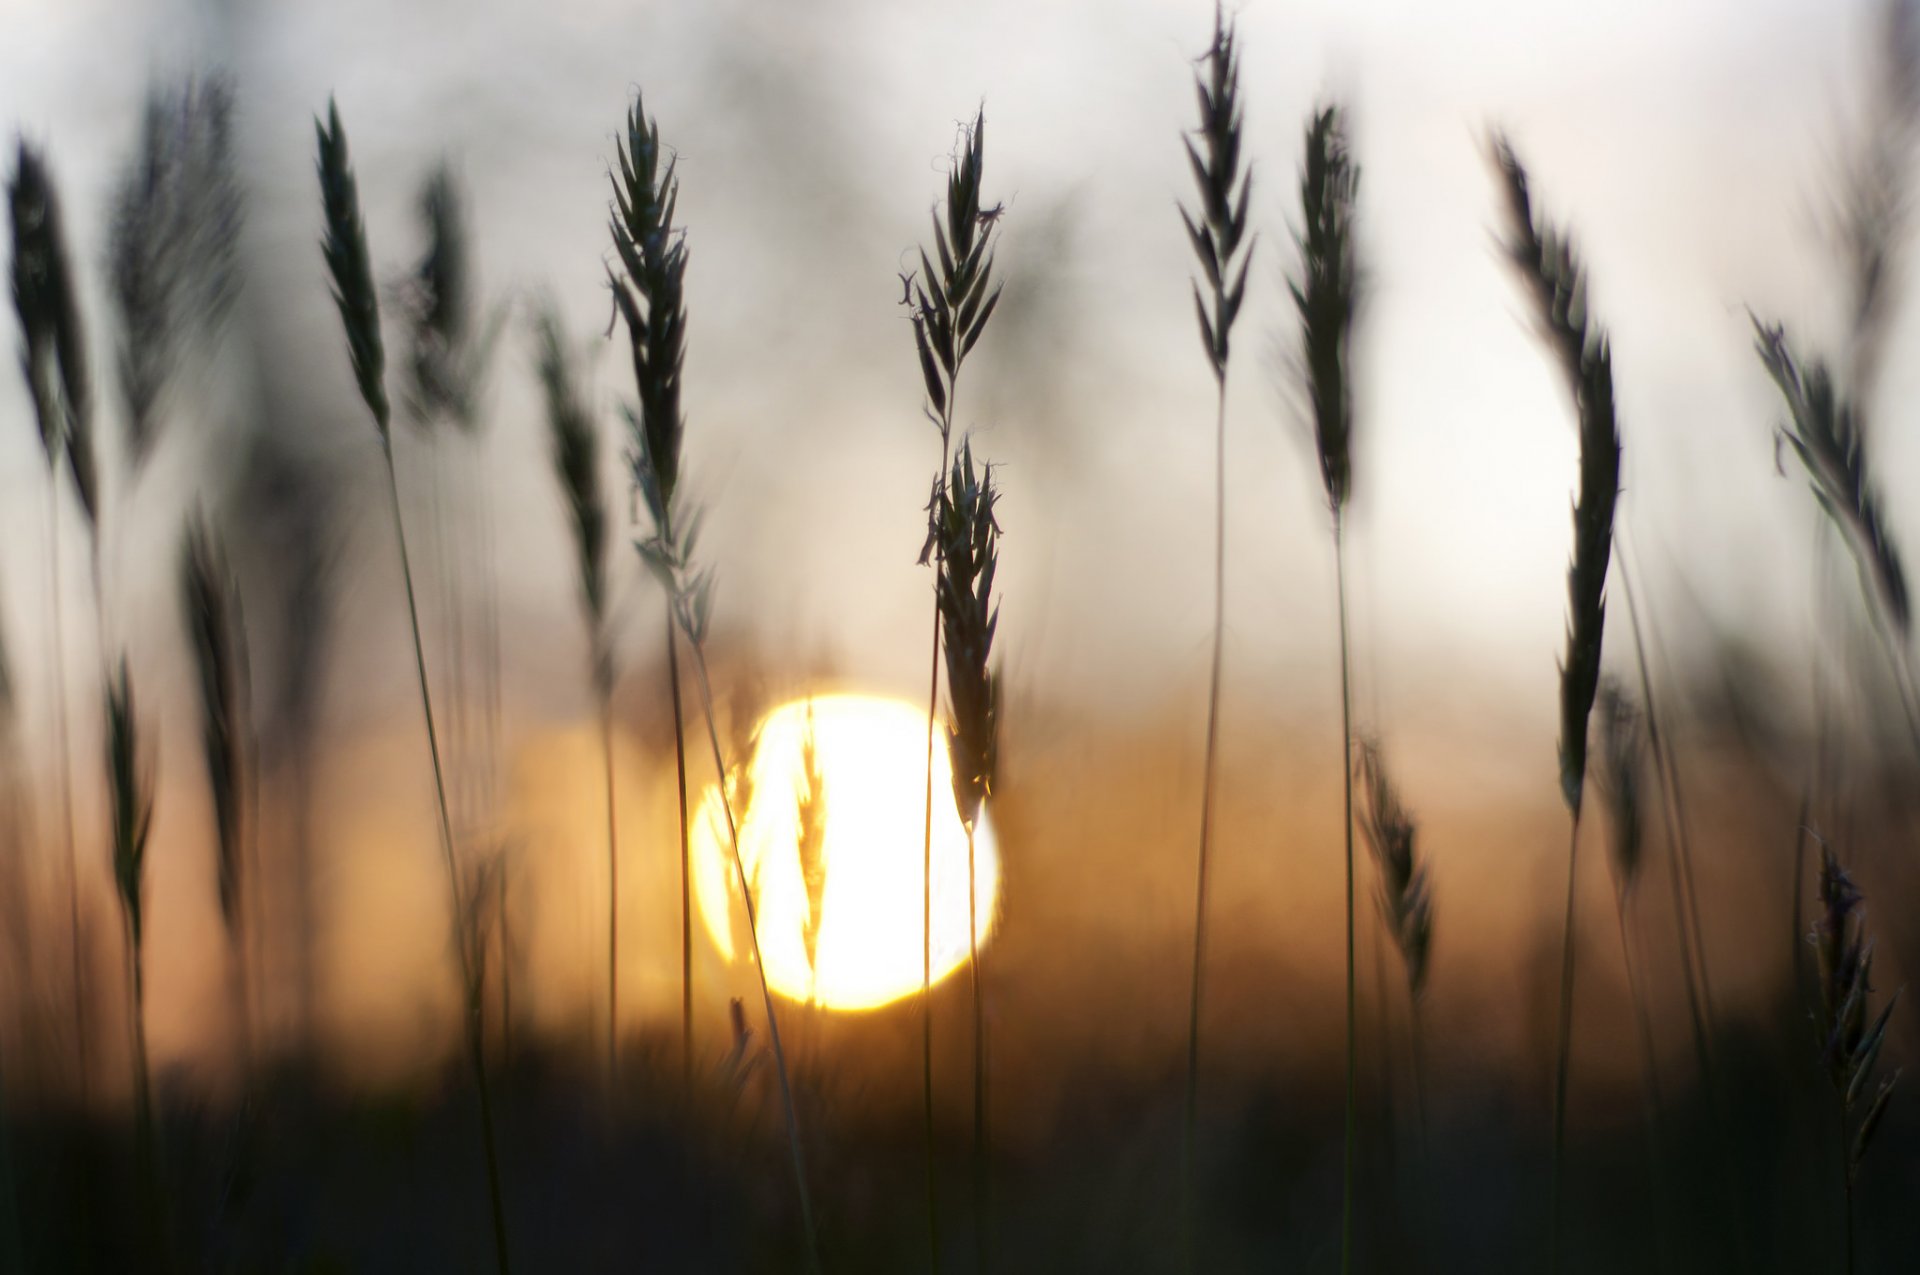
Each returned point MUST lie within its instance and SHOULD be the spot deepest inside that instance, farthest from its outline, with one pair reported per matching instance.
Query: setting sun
(839, 910)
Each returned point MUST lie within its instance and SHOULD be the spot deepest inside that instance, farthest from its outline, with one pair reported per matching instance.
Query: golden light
(831, 808)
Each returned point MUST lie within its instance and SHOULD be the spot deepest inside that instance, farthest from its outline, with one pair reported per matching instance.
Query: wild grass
(1823, 431)
(172, 247)
(210, 603)
(574, 443)
(350, 266)
(1326, 296)
(449, 343)
(969, 536)
(1620, 780)
(1224, 249)
(54, 361)
(1405, 894)
(1548, 266)
(950, 308)
(130, 785)
(1850, 1035)
(651, 298)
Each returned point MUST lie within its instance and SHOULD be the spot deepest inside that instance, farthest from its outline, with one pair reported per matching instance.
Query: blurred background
(1708, 159)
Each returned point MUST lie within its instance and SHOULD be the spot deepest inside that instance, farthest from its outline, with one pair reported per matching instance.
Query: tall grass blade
(1224, 250)
(1545, 260)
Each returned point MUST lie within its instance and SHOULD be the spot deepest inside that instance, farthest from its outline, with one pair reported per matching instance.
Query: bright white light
(871, 754)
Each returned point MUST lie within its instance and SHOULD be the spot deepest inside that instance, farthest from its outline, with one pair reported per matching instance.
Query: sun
(831, 812)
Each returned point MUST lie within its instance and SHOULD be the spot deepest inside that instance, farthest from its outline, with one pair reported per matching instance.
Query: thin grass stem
(759, 966)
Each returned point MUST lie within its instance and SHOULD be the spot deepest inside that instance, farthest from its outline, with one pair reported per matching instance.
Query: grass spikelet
(46, 298)
(1622, 762)
(1850, 1033)
(652, 299)
(171, 249)
(130, 786)
(441, 361)
(1224, 250)
(1545, 260)
(951, 305)
(574, 445)
(210, 603)
(969, 556)
(1326, 296)
(1219, 233)
(351, 267)
(1406, 896)
(1823, 432)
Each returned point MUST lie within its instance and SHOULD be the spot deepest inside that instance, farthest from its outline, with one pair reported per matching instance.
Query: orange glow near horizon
(870, 756)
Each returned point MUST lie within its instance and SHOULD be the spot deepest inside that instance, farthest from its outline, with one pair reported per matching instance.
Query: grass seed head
(650, 296)
(575, 447)
(131, 790)
(1850, 1034)
(210, 602)
(46, 298)
(1548, 265)
(1823, 431)
(1219, 233)
(1622, 763)
(1326, 295)
(969, 539)
(351, 266)
(172, 246)
(447, 349)
(952, 302)
(1406, 898)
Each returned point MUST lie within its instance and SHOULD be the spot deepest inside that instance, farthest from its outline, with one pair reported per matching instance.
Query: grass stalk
(130, 789)
(1326, 300)
(1850, 1035)
(575, 448)
(349, 263)
(1693, 965)
(686, 857)
(1548, 266)
(692, 621)
(54, 361)
(1346, 781)
(949, 308)
(968, 543)
(1224, 251)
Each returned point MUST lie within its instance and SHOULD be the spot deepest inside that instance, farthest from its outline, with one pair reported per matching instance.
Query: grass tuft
(351, 267)
(1547, 264)
(172, 244)
(1850, 1033)
(1823, 432)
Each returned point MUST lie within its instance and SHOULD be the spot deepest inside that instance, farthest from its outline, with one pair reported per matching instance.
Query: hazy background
(1685, 144)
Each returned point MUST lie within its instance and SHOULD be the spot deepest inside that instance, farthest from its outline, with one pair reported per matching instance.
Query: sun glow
(831, 810)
